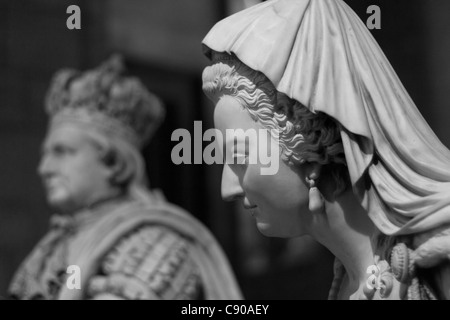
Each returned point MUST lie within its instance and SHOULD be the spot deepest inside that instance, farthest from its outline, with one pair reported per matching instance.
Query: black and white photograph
(245, 151)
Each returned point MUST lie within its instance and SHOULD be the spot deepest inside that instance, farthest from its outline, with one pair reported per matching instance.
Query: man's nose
(231, 187)
(45, 166)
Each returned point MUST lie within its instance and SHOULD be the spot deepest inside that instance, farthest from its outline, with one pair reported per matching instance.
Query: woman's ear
(313, 171)
(322, 178)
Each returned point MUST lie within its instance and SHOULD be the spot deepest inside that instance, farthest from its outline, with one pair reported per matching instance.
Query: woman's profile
(360, 169)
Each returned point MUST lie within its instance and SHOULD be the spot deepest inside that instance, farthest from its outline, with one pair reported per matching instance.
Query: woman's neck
(347, 233)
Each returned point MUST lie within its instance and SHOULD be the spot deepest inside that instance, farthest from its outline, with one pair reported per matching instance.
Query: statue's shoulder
(151, 262)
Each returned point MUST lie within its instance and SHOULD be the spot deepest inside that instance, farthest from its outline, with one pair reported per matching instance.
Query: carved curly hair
(304, 136)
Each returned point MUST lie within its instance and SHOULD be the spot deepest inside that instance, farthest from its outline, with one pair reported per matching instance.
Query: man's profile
(128, 242)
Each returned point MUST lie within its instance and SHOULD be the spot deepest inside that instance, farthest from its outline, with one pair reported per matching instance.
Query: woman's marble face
(278, 202)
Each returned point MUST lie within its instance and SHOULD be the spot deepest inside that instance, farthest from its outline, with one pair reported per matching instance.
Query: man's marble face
(71, 169)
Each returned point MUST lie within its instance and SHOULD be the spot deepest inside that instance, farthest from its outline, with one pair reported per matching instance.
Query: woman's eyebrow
(240, 145)
(233, 139)
(239, 138)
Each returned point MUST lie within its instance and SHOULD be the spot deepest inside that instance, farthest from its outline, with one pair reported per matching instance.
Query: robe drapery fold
(101, 229)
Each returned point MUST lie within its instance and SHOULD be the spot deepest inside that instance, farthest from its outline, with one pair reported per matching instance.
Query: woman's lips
(250, 208)
(247, 205)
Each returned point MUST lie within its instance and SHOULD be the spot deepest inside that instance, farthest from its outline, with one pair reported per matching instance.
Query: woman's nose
(231, 186)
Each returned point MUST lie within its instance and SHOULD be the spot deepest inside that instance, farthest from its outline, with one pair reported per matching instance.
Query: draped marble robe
(100, 231)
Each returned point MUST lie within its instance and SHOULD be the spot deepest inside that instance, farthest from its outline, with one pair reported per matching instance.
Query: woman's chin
(269, 230)
(266, 229)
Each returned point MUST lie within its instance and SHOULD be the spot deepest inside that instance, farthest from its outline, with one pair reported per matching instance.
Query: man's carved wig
(106, 99)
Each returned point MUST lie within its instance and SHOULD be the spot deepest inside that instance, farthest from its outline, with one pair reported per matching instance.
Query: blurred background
(161, 43)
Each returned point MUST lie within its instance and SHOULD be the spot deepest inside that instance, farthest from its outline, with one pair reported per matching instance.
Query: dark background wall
(160, 40)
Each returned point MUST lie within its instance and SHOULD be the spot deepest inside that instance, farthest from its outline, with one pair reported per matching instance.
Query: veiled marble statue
(126, 241)
(360, 170)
